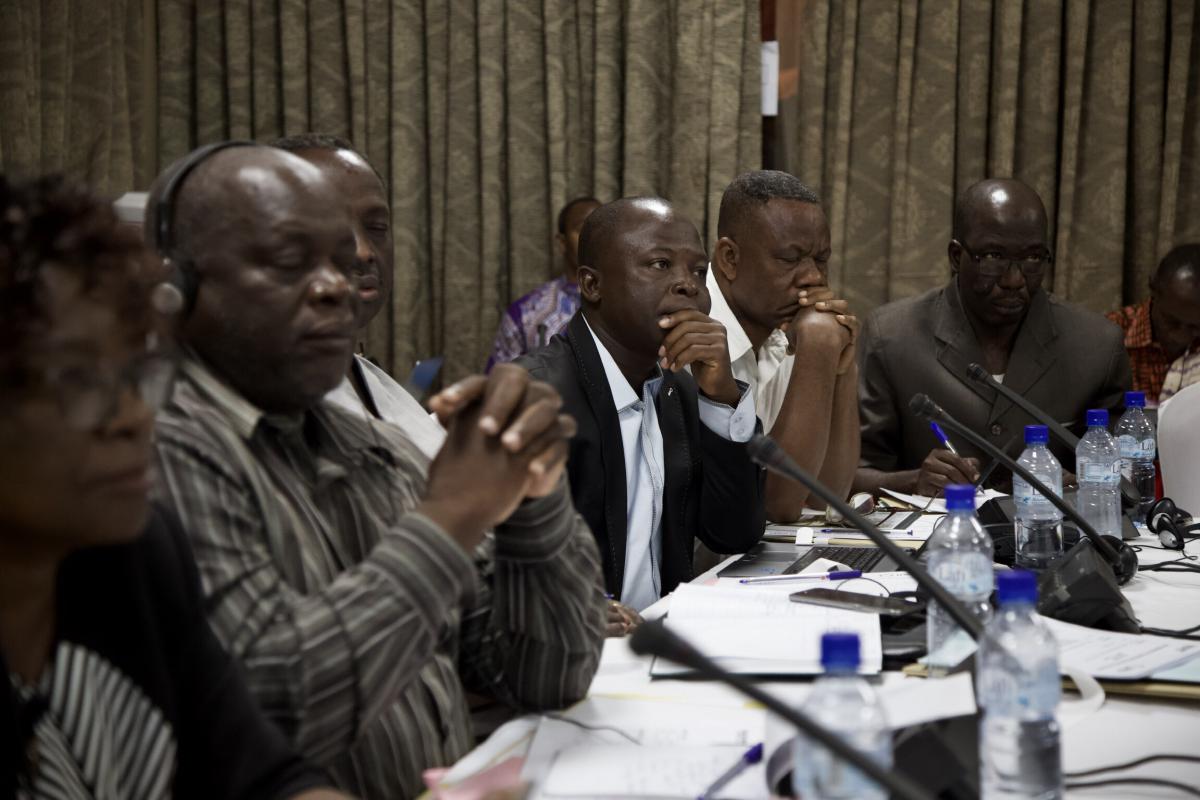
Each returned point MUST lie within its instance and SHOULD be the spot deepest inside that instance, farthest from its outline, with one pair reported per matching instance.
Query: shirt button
(997, 429)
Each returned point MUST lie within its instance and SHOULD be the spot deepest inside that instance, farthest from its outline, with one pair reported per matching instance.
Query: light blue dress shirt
(642, 445)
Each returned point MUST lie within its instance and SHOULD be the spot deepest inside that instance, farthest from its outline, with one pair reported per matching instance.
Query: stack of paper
(758, 631)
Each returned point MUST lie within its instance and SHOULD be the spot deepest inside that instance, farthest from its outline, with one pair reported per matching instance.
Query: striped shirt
(360, 622)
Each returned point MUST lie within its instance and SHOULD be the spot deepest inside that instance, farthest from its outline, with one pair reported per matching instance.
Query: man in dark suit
(993, 313)
(658, 458)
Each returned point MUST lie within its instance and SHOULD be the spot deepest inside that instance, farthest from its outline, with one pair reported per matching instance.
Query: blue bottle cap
(1037, 434)
(1016, 586)
(960, 497)
(839, 652)
(1135, 399)
(1097, 416)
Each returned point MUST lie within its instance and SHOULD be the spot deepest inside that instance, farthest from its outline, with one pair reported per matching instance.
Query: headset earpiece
(1170, 523)
(177, 293)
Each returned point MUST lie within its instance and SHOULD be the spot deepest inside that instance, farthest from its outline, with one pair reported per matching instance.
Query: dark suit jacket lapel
(599, 397)
(1031, 355)
(678, 450)
(957, 345)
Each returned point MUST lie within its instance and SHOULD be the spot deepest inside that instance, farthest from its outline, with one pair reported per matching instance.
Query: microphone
(1129, 495)
(653, 639)
(1122, 558)
(764, 451)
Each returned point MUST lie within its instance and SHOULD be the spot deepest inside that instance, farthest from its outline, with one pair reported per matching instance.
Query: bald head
(998, 203)
(224, 190)
(1175, 300)
(605, 228)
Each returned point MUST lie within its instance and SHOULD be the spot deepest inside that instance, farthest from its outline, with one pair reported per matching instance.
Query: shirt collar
(622, 393)
(739, 342)
(243, 415)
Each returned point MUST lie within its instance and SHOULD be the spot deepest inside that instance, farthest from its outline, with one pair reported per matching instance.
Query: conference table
(1121, 729)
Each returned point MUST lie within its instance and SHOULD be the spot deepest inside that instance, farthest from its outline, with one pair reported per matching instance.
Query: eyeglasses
(89, 396)
(995, 265)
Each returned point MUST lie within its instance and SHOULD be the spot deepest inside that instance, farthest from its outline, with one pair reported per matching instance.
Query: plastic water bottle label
(963, 574)
(1000, 691)
(1099, 472)
(1132, 448)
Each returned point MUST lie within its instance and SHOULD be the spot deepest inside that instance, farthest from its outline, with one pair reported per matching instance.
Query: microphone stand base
(1081, 588)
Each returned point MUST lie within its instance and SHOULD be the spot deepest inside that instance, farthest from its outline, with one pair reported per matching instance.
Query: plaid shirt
(360, 623)
(1147, 357)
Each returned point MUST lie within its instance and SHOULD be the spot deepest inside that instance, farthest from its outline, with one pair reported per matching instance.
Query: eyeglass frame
(1043, 263)
(106, 387)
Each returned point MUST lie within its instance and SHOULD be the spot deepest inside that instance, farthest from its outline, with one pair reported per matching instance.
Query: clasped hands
(824, 320)
(505, 441)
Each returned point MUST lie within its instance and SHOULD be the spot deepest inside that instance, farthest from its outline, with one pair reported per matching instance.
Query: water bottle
(1098, 467)
(1018, 693)
(960, 558)
(1038, 523)
(846, 705)
(1135, 443)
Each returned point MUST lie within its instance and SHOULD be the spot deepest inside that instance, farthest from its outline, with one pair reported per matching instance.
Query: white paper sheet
(938, 506)
(630, 771)
(1118, 656)
(750, 630)
(654, 722)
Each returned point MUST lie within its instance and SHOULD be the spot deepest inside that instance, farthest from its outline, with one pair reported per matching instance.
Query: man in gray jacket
(995, 313)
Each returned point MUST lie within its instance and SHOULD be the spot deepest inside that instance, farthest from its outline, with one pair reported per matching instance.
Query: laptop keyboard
(860, 558)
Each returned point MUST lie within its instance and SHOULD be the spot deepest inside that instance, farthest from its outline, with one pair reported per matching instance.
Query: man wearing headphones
(365, 588)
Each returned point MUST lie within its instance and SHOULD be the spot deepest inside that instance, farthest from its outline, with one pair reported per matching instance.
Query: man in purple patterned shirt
(533, 319)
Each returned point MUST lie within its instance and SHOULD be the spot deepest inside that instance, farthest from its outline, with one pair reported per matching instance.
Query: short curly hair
(51, 221)
(750, 191)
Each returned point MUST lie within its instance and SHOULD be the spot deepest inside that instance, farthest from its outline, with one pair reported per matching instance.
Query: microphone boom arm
(765, 451)
(925, 407)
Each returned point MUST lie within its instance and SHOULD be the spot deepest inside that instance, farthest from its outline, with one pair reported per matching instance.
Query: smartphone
(852, 601)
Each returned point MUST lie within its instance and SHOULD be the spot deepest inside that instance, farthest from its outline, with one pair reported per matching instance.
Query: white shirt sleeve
(734, 424)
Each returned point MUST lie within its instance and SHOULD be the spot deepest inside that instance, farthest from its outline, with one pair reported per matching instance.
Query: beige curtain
(485, 115)
(71, 91)
(893, 106)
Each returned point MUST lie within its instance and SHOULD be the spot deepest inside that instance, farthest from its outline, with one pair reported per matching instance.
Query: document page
(1118, 656)
(629, 771)
(761, 632)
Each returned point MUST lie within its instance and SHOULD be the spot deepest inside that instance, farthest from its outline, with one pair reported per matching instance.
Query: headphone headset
(178, 292)
(1174, 526)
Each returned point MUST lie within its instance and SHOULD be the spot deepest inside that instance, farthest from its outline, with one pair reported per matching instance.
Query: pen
(942, 437)
(813, 576)
(748, 759)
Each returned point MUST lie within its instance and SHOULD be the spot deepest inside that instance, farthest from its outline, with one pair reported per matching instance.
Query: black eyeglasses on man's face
(993, 265)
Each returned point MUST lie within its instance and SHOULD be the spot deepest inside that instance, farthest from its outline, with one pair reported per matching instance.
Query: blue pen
(942, 437)
(748, 759)
(845, 575)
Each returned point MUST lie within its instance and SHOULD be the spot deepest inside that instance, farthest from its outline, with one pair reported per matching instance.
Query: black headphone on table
(177, 294)
(1173, 525)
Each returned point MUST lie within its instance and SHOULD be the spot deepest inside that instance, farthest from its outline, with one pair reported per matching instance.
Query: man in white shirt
(658, 459)
(790, 338)
(367, 390)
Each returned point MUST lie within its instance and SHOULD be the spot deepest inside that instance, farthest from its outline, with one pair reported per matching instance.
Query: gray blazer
(1065, 360)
